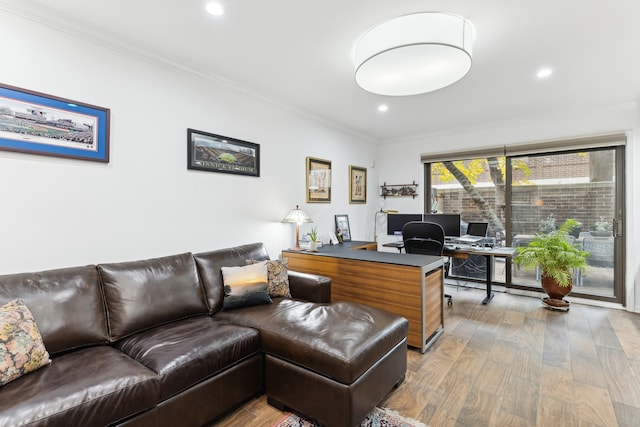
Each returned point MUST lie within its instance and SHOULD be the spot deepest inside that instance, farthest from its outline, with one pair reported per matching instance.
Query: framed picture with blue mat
(37, 123)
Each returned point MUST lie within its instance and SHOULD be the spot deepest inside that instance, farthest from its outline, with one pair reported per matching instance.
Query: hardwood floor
(514, 363)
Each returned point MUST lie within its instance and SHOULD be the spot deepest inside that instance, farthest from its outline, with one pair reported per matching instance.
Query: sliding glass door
(534, 191)
(582, 185)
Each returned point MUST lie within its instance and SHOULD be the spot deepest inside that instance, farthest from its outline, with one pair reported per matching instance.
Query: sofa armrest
(310, 287)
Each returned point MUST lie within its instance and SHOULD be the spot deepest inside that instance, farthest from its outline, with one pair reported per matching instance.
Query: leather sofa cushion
(147, 293)
(210, 268)
(340, 341)
(189, 351)
(66, 305)
(95, 386)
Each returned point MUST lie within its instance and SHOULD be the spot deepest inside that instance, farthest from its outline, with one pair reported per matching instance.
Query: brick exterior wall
(585, 202)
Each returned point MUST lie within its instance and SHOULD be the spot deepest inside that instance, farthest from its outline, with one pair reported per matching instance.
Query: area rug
(379, 417)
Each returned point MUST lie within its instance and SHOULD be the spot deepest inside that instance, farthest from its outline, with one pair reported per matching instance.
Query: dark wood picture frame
(216, 153)
(318, 180)
(37, 123)
(342, 225)
(357, 185)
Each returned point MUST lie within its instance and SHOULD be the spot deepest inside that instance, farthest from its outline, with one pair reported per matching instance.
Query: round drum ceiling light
(414, 54)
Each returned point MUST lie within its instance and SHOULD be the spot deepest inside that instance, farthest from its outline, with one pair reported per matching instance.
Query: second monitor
(450, 223)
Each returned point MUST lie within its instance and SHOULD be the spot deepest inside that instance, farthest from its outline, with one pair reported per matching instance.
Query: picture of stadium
(22, 121)
(221, 154)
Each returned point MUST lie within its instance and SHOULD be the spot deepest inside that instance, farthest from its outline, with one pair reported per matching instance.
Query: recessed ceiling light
(544, 73)
(215, 9)
(383, 108)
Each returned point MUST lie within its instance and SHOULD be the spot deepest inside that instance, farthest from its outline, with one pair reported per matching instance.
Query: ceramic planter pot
(556, 293)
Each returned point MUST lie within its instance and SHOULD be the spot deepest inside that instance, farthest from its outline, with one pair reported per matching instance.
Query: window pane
(544, 190)
(548, 189)
(472, 188)
(475, 189)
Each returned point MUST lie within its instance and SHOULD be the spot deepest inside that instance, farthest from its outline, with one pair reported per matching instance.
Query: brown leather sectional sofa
(145, 343)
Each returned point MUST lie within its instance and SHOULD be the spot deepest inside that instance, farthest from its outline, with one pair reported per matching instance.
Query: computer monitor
(395, 222)
(450, 223)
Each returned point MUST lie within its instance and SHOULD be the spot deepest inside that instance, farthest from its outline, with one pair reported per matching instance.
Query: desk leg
(489, 274)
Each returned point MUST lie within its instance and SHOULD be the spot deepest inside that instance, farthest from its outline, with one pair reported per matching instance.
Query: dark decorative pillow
(245, 286)
(278, 275)
(21, 347)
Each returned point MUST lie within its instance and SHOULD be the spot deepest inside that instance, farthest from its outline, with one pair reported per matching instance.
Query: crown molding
(618, 108)
(50, 18)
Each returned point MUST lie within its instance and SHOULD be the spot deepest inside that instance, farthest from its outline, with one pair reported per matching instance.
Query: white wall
(400, 163)
(145, 203)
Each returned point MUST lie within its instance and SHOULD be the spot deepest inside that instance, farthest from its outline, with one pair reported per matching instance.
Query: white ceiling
(299, 53)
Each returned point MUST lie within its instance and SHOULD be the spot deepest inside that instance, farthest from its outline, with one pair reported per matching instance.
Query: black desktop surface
(344, 250)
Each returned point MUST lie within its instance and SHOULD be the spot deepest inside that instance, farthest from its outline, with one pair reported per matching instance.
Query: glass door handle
(617, 227)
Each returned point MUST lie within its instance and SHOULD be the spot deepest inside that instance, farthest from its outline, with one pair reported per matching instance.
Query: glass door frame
(619, 294)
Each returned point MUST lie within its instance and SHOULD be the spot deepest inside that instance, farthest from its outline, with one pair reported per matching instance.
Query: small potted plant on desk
(313, 239)
(557, 257)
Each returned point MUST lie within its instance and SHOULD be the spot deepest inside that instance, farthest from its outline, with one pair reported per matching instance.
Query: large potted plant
(557, 256)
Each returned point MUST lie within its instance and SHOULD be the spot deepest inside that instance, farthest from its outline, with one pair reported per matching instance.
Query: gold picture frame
(318, 180)
(357, 184)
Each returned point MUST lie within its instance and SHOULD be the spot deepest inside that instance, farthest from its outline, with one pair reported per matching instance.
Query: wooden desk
(408, 285)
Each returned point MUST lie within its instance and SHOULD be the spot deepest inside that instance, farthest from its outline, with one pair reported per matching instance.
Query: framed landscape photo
(217, 153)
(357, 184)
(318, 180)
(37, 123)
(342, 225)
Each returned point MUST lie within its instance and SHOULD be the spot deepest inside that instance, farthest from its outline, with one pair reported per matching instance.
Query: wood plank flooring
(514, 363)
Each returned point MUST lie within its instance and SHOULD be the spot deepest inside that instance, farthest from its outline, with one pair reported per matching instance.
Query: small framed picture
(357, 184)
(318, 180)
(217, 153)
(342, 225)
(37, 123)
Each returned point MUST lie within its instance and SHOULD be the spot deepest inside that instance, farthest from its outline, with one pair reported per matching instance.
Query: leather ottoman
(332, 363)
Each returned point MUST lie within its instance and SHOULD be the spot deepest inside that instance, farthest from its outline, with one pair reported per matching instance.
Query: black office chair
(425, 238)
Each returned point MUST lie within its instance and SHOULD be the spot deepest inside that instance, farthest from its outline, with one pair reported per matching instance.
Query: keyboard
(453, 248)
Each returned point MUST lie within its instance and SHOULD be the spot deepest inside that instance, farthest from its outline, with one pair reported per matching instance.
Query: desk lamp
(297, 216)
(375, 221)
